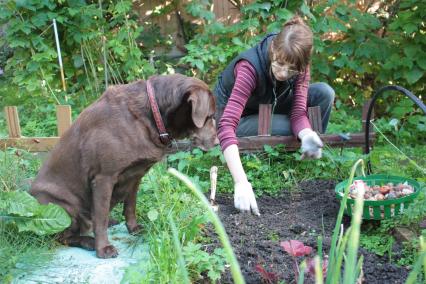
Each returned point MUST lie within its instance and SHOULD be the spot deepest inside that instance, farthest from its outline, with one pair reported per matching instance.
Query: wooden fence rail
(246, 144)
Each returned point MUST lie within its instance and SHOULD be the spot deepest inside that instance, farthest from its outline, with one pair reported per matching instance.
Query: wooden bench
(246, 144)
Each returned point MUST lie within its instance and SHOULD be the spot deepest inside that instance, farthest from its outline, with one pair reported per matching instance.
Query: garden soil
(302, 215)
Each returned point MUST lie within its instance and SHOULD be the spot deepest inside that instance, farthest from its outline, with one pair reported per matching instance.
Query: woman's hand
(311, 144)
(244, 199)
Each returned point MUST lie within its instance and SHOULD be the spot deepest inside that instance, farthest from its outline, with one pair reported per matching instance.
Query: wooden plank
(264, 124)
(256, 143)
(246, 144)
(364, 116)
(12, 118)
(32, 144)
(63, 115)
(314, 114)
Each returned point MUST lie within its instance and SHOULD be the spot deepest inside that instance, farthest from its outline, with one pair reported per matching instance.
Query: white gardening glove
(244, 198)
(311, 144)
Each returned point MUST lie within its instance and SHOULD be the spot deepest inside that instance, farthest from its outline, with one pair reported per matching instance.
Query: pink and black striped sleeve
(245, 83)
(299, 111)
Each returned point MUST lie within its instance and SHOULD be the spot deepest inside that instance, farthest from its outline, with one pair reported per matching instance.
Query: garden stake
(213, 183)
(58, 47)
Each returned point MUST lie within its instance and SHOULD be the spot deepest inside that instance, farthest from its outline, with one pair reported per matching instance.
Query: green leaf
(306, 11)
(323, 67)
(413, 75)
(421, 61)
(23, 210)
(152, 215)
(257, 7)
(199, 64)
(77, 60)
(237, 41)
(342, 10)
(39, 20)
(336, 26)
(340, 62)
(19, 203)
(49, 219)
(411, 51)
(410, 28)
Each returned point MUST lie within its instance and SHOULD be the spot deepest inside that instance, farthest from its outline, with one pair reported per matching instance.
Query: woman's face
(283, 71)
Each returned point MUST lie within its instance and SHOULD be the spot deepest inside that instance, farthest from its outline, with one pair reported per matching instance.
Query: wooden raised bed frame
(246, 144)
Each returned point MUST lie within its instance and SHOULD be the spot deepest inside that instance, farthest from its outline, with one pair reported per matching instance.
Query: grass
(26, 248)
(172, 218)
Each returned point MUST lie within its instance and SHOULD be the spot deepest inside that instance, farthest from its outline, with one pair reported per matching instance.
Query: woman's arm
(311, 143)
(299, 112)
(245, 83)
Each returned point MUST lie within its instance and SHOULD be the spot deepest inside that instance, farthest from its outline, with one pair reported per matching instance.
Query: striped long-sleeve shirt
(245, 83)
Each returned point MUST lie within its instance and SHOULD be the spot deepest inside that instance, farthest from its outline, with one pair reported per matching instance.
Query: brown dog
(100, 160)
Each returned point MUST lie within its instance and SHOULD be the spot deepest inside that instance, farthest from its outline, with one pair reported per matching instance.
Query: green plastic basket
(378, 210)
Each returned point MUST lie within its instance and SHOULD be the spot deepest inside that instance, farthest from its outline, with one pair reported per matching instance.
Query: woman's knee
(325, 91)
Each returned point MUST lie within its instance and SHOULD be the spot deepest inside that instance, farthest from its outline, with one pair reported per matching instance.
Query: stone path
(74, 265)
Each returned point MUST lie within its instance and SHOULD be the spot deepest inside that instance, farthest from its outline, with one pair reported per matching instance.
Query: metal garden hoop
(400, 89)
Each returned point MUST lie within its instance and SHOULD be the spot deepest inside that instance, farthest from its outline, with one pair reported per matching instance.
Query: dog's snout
(216, 141)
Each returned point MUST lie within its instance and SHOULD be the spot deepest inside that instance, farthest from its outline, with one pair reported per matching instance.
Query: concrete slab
(76, 265)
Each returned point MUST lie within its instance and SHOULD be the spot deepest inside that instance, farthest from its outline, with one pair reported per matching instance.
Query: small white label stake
(213, 183)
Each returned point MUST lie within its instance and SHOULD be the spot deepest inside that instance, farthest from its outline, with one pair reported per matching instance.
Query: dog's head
(191, 110)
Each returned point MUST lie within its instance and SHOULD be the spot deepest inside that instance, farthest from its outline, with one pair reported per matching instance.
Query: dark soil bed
(300, 215)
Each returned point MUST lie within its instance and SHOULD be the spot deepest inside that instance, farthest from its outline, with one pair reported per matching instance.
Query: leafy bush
(98, 45)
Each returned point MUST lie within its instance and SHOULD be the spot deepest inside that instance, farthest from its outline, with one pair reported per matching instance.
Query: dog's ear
(200, 103)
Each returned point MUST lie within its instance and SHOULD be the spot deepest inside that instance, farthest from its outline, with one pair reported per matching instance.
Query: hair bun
(296, 20)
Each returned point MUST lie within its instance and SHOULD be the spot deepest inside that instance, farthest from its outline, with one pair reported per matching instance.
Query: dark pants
(319, 94)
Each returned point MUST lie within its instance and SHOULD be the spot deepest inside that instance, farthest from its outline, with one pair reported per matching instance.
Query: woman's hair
(293, 44)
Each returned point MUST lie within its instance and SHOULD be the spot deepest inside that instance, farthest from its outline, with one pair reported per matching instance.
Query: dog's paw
(87, 242)
(107, 252)
(134, 229)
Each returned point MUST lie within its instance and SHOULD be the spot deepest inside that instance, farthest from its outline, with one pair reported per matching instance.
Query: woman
(274, 71)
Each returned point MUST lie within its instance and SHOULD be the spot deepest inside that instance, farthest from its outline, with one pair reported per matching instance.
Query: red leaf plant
(296, 248)
(267, 277)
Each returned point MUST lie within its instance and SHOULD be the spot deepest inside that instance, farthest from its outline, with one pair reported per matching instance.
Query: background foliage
(359, 46)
